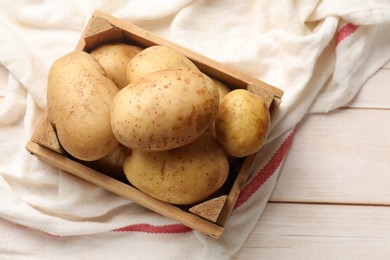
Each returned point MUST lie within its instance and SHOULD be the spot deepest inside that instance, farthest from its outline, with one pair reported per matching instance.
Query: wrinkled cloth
(319, 53)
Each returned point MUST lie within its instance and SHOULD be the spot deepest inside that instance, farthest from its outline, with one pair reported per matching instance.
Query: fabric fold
(319, 53)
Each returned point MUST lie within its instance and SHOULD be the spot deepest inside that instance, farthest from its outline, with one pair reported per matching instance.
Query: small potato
(242, 123)
(165, 110)
(114, 59)
(156, 58)
(222, 88)
(185, 175)
(112, 163)
(79, 97)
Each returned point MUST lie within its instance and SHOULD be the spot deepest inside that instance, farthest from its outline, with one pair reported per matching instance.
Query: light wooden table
(332, 200)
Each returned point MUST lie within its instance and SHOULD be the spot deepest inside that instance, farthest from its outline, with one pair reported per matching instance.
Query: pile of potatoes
(153, 113)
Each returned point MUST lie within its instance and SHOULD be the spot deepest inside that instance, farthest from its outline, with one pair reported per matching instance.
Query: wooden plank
(294, 231)
(375, 93)
(99, 31)
(235, 190)
(324, 220)
(46, 136)
(291, 247)
(210, 209)
(263, 92)
(340, 157)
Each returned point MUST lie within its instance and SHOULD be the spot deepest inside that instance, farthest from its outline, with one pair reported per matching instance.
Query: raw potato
(185, 175)
(114, 59)
(242, 123)
(79, 97)
(165, 110)
(112, 163)
(156, 58)
(222, 89)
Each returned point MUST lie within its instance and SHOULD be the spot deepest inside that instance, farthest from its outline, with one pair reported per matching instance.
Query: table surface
(332, 199)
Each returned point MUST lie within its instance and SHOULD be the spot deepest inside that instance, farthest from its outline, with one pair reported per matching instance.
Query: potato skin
(156, 58)
(242, 123)
(222, 89)
(79, 98)
(112, 164)
(185, 175)
(165, 110)
(114, 59)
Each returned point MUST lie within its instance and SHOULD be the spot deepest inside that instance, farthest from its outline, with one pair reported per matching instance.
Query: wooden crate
(209, 216)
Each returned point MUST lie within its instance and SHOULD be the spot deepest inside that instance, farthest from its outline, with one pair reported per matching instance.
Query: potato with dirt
(242, 123)
(79, 97)
(156, 58)
(184, 175)
(114, 58)
(164, 110)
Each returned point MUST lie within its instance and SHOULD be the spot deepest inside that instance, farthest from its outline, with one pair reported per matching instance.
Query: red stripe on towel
(263, 175)
(152, 229)
(256, 182)
(345, 32)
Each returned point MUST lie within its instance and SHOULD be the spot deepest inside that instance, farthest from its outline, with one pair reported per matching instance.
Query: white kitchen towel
(319, 52)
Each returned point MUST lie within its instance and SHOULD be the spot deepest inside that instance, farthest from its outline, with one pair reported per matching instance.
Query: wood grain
(332, 197)
(235, 190)
(46, 136)
(267, 95)
(375, 93)
(210, 209)
(341, 157)
(296, 231)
